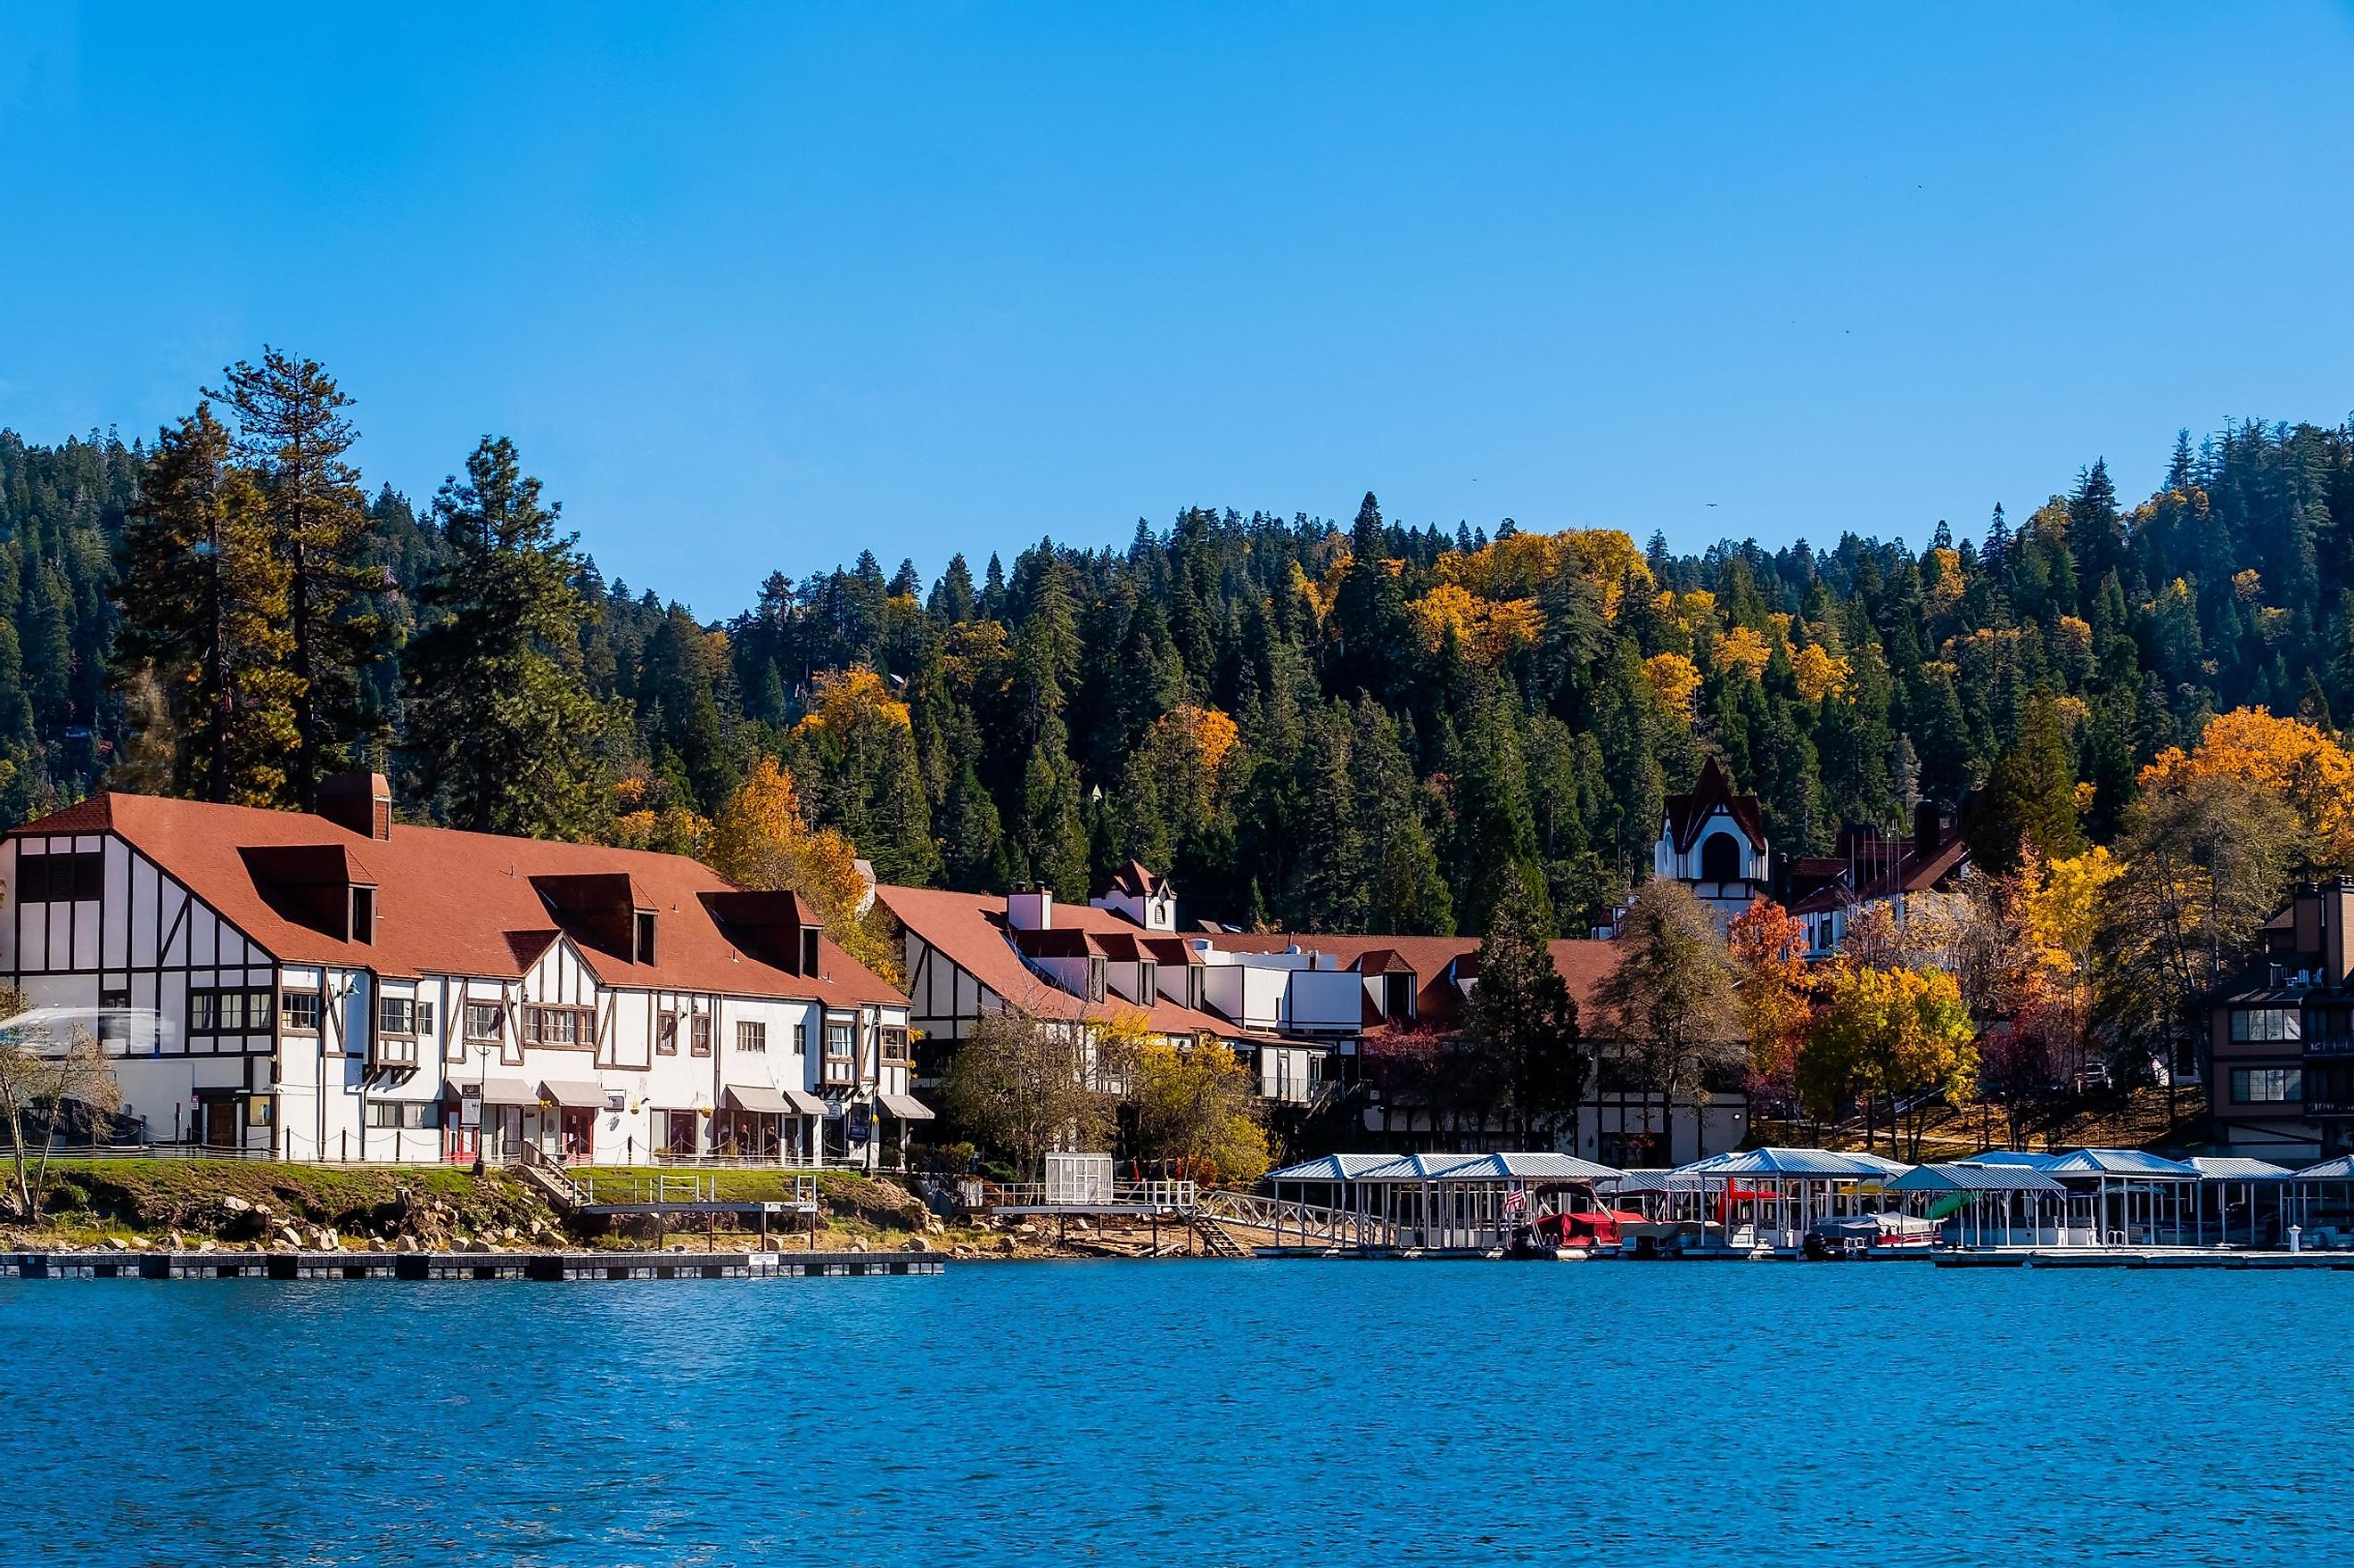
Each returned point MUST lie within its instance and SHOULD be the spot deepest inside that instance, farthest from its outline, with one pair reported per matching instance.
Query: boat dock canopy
(2122, 1162)
(1330, 1167)
(2238, 1168)
(2034, 1161)
(1965, 1178)
(1536, 1165)
(1819, 1164)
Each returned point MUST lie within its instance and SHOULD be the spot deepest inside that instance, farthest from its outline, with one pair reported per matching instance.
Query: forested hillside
(1372, 725)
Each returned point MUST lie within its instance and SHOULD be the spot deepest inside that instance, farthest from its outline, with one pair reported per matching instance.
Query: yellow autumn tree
(843, 699)
(1742, 649)
(2064, 906)
(645, 819)
(2248, 745)
(1820, 672)
(1674, 678)
(1194, 1108)
(1889, 1037)
(1489, 630)
(763, 839)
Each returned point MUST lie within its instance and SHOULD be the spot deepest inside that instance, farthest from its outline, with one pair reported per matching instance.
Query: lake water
(1202, 1412)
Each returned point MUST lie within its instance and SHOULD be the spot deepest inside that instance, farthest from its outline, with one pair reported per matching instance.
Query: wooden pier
(544, 1266)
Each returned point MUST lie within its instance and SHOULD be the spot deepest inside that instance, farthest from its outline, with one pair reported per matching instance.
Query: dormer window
(645, 943)
(364, 915)
(809, 949)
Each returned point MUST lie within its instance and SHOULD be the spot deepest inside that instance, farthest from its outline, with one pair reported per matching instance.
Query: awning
(760, 1099)
(508, 1092)
(804, 1102)
(907, 1108)
(573, 1096)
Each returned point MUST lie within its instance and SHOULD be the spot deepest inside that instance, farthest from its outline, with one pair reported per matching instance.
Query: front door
(220, 1124)
(678, 1132)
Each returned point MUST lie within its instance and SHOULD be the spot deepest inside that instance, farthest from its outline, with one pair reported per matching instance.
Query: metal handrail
(1311, 1223)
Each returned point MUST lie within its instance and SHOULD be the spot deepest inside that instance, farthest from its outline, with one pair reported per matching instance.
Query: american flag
(1516, 1202)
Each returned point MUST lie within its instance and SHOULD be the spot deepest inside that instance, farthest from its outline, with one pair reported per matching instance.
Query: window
(561, 1027)
(409, 1114)
(645, 935)
(113, 1022)
(1148, 983)
(231, 1012)
(801, 1039)
(894, 1046)
(1719, 859)
(60, 878)
(841, 1065)
(2267, 1023)
(301, 1010)
(666, 1034)
(484, 1020)
(364, 915)
(809, 949)
(396, 1015)
(699, 1034)
(1095, 979)
(261, 1110)
(751, 1036)
(2267, 1085)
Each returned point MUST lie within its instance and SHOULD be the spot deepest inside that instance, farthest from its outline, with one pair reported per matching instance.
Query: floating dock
(546, 1266)
(2150, 1257)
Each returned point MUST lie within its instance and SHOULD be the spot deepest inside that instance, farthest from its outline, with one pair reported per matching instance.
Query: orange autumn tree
(2310, 771)
(761, 840)
(1768, 947)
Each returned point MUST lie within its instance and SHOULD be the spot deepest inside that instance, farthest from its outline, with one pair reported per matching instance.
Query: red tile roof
(450, 902)
(1581, 963)
(969, 928)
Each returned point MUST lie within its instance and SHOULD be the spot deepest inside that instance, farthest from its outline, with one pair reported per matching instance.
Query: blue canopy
(2033, 1160)
(1969, 1177)
(2122, 1162)
(1818, 1163)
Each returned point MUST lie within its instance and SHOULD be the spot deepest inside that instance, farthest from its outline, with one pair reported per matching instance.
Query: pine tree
(204, 606)
(293, 431)
(1521, 1039)
(500, 717)
(2029, 800)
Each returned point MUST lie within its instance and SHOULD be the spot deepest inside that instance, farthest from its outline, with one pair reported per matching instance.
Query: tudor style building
(1713, 842)
(1872, 869)
(338, 985)
(1315, 1015)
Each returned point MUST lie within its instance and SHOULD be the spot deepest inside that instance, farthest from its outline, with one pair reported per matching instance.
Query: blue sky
(755, 288)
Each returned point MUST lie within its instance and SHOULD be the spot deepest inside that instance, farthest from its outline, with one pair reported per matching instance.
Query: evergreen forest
(1366, 724)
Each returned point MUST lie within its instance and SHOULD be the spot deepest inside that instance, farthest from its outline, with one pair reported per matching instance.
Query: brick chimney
(361, 803)
(2337, 940)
